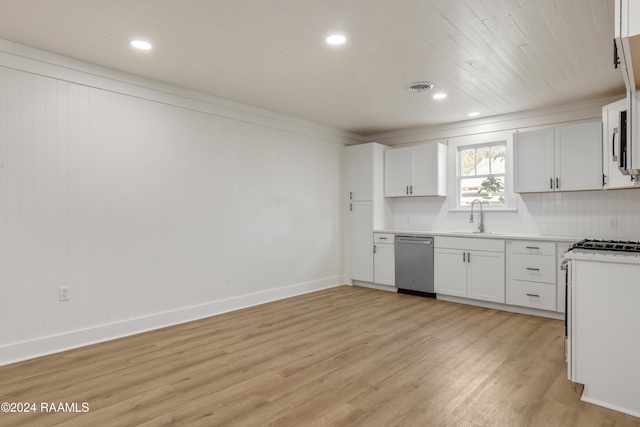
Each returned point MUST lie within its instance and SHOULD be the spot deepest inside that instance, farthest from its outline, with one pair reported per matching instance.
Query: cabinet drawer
(469, 243)
(533, 247)
(532, 294)
(534, 268)
(383, 238)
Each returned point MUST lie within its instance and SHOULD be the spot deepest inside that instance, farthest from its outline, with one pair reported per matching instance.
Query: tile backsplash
(610, 214)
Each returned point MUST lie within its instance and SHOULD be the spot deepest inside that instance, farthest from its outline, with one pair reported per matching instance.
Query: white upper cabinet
(627, 18)
(416, 171)
(428, 170)
(627, 41)
(611, 146)
(534, 161)
(397, 174)
(566, 158)
(362, 164)
(579, 151)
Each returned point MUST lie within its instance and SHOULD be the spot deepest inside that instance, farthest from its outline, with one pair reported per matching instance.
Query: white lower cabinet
(450, 271)
(486, 276)
(384, 269)
(531, 274)
(470, 268)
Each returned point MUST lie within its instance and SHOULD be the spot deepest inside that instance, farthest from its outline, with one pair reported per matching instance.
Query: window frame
(455, 145)
(459, 177)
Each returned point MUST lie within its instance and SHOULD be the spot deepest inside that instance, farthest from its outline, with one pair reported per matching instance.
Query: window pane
(488, 190)
(483, 164)
(497, 159)
(467, 162)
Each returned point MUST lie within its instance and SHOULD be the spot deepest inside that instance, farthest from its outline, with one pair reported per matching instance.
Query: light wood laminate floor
(346, 356)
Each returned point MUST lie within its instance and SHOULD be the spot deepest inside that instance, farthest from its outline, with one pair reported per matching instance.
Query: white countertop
(487, 235)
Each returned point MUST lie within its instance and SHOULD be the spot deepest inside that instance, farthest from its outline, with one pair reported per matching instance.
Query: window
(482, 174)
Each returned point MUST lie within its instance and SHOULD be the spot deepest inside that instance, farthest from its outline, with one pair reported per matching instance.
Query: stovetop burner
(606, 246)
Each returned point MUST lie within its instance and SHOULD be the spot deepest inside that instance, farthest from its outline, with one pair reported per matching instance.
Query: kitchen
(100, 200)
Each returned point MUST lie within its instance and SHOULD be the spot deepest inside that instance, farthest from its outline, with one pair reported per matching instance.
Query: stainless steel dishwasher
(414, 265)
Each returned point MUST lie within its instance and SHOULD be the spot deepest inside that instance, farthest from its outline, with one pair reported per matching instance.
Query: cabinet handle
(551, 183)
(407, 189)
(557, 183)
(533, 295)
(537, 248)
(350, 206)
(374, 249)
(382, 238)
(411, 189)
(613, 145)
(533, 269)
(604, 180)
(350, 195)
(464, 257)
(468, 256)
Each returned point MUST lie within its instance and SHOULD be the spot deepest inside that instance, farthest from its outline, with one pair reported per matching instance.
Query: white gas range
(603, 322)
(618, 251)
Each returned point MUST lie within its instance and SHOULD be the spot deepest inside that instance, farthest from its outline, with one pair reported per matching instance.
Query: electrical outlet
(613, 223)
(63, 293)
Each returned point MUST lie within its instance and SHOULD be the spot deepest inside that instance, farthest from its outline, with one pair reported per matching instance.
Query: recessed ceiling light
(439, 96)
(336, 39)
(474, 114)
(141, 44)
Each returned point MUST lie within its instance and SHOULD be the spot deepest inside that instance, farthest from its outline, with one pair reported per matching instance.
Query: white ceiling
(490, 56)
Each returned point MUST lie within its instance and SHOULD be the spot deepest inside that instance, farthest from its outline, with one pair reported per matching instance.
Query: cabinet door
(579, 156)
(627, 18)
(534, 161)
(486, 276)
(397, 172)
(384, 271)
(361, 164)
(450, 272)
(424, 170)
(361, 226)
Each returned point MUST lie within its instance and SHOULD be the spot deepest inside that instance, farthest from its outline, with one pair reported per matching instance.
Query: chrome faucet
(481, 225)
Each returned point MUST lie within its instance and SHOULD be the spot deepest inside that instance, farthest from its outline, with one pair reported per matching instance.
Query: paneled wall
(151, 212)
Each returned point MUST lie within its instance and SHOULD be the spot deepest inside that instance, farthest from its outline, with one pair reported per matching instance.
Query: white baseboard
(375, 286)
(503, 307)
(607, 405)
(17, 352)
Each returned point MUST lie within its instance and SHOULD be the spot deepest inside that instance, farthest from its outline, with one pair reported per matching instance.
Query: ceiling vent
(419, 86)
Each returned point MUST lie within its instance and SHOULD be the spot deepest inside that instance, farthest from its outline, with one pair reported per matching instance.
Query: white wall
(153, 204)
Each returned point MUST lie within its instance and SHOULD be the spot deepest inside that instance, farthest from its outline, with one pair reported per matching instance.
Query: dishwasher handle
(418, 240)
